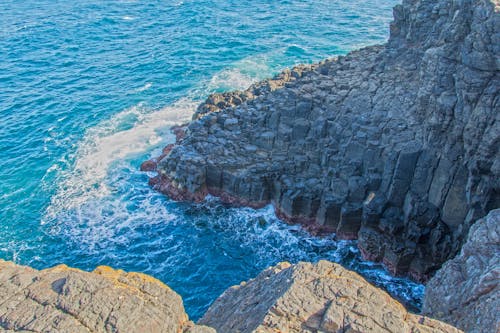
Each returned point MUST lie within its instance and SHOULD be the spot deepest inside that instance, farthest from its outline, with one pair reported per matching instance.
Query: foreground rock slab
(466, 291)
(63, 299)
(322, 297)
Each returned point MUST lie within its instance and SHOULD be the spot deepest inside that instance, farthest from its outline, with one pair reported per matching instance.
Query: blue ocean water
(88, 90)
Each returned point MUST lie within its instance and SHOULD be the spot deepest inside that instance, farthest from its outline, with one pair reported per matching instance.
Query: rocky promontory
(396, 145)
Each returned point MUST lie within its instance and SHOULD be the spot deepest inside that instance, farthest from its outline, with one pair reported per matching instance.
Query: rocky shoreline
(320, 297)
(64, 299)
(394, 145)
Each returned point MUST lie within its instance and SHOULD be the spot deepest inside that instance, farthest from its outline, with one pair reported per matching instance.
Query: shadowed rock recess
(67, 300)
(465, 291)
(396, 145)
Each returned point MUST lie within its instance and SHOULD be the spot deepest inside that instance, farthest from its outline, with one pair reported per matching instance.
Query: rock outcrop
(396, 145)
(465, 291)
(321, 297)
(63, 299)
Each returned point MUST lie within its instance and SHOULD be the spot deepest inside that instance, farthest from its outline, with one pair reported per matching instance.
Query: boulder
(306, 297)
(63, 299)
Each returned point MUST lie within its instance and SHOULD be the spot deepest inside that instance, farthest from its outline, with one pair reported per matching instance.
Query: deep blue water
(88, 90)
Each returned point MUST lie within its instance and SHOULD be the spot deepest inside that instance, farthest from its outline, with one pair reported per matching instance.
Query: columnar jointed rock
(465, 291)
(63, 299)
(322, 297)
(397, 145)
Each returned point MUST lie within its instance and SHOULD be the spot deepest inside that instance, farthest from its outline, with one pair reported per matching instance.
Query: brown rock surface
(63, 299)
(465, 291)
(321, 297)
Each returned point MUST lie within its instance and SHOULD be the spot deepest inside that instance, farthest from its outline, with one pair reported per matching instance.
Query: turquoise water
(88, 90)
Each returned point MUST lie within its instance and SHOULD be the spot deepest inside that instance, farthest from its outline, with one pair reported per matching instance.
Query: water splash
(242, 74)
(132, 131)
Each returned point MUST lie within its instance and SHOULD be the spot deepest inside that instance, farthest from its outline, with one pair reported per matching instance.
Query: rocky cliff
(302, 298)
(63, 299)
(465, 291)
(396, 145)
(321, 297)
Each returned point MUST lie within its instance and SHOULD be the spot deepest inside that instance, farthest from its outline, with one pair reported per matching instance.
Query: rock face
(63, 299)
(322, 297)
(465, 291)
(397, 145)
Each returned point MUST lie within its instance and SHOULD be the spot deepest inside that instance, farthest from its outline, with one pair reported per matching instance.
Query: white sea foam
(96, 197)
(84, 182)
(129, 132)
(230, 77)
(144, 87)
(241, 75)
(110, 221)
(96, 203)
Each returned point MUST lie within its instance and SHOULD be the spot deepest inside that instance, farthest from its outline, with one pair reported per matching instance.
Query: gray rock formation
(397, 145)
(321, 297)
(63, 299)
(465, 291)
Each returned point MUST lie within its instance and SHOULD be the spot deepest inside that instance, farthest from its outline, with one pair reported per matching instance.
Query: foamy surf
(230, 77)
(143, 88)
(241, 75)
(132, 131)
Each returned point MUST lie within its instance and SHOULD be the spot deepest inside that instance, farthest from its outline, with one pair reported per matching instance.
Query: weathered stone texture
(465, 291)
(321, 297)
(397, 145)
(63, 299)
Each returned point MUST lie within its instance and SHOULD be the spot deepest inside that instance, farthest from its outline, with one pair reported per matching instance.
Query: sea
(89, 90)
